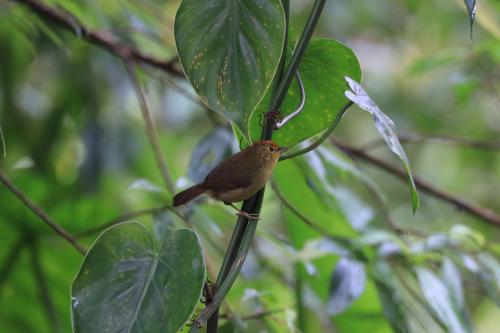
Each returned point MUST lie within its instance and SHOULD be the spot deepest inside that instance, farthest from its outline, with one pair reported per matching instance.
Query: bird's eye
(271, 149)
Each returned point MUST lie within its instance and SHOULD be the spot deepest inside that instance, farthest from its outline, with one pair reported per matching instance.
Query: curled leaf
(386, 128)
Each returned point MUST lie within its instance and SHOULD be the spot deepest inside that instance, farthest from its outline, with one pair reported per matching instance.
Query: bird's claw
(252, 217)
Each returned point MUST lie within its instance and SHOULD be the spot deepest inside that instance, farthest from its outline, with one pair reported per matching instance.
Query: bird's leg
(242, 213)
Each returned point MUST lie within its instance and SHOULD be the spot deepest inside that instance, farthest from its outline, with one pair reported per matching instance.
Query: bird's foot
(251, 217)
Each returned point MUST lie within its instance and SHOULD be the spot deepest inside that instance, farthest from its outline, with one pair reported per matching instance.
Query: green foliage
(130, 281)
(325, 64)
(336, 249)
(230, 52)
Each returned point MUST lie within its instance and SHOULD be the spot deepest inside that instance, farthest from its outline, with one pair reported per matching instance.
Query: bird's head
(267, 149)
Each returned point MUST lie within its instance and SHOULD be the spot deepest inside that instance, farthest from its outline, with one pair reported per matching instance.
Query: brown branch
(102, 39)
(440, 139)
(480, 212)
(40, 213)
(151, 130)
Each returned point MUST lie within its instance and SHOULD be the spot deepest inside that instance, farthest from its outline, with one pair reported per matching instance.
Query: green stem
(245, 230)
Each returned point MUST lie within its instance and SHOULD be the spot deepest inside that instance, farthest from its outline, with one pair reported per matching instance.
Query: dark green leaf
(439, 299)
(323, 67)
(129, 282)
(385, 126)
(346, 285)
(230, 51)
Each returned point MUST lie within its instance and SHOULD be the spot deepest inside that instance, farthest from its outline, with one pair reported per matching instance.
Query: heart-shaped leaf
(130, 282)
(230, 50)
(322, 69)
(386, 128)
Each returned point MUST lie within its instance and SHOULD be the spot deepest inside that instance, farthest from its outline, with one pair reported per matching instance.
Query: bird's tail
(188, 195)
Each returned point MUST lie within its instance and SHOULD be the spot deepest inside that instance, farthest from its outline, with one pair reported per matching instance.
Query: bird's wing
(229, 175)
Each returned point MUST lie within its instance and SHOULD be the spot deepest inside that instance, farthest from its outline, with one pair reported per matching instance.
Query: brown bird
(237, 178)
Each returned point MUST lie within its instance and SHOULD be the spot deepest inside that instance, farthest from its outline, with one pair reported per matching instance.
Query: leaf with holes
(230, 51)
(130, 282)
(325, 64)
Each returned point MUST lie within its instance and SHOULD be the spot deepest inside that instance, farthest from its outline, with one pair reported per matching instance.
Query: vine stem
(244, 230)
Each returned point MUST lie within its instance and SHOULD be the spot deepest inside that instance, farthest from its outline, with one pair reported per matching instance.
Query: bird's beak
(284, 149)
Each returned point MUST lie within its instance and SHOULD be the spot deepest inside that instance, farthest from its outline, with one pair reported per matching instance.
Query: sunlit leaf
(130, 282)
(439, 299)
(346, 285)
(323, 67)
(385, 126)
(230, 51)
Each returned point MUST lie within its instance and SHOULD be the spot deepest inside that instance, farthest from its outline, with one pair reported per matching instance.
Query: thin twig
(121, 218)
(480, 212)
(299, 109)
(102, 39)
(40, 213)
(253, 316)
(151, 130)
(440, 139)
(45, 296)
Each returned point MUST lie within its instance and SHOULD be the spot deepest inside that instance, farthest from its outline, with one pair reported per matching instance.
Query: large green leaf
(322, 69)
(129, 282)
(230, 50)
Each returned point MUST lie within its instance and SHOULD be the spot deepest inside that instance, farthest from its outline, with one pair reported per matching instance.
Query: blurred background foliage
(76, 145)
